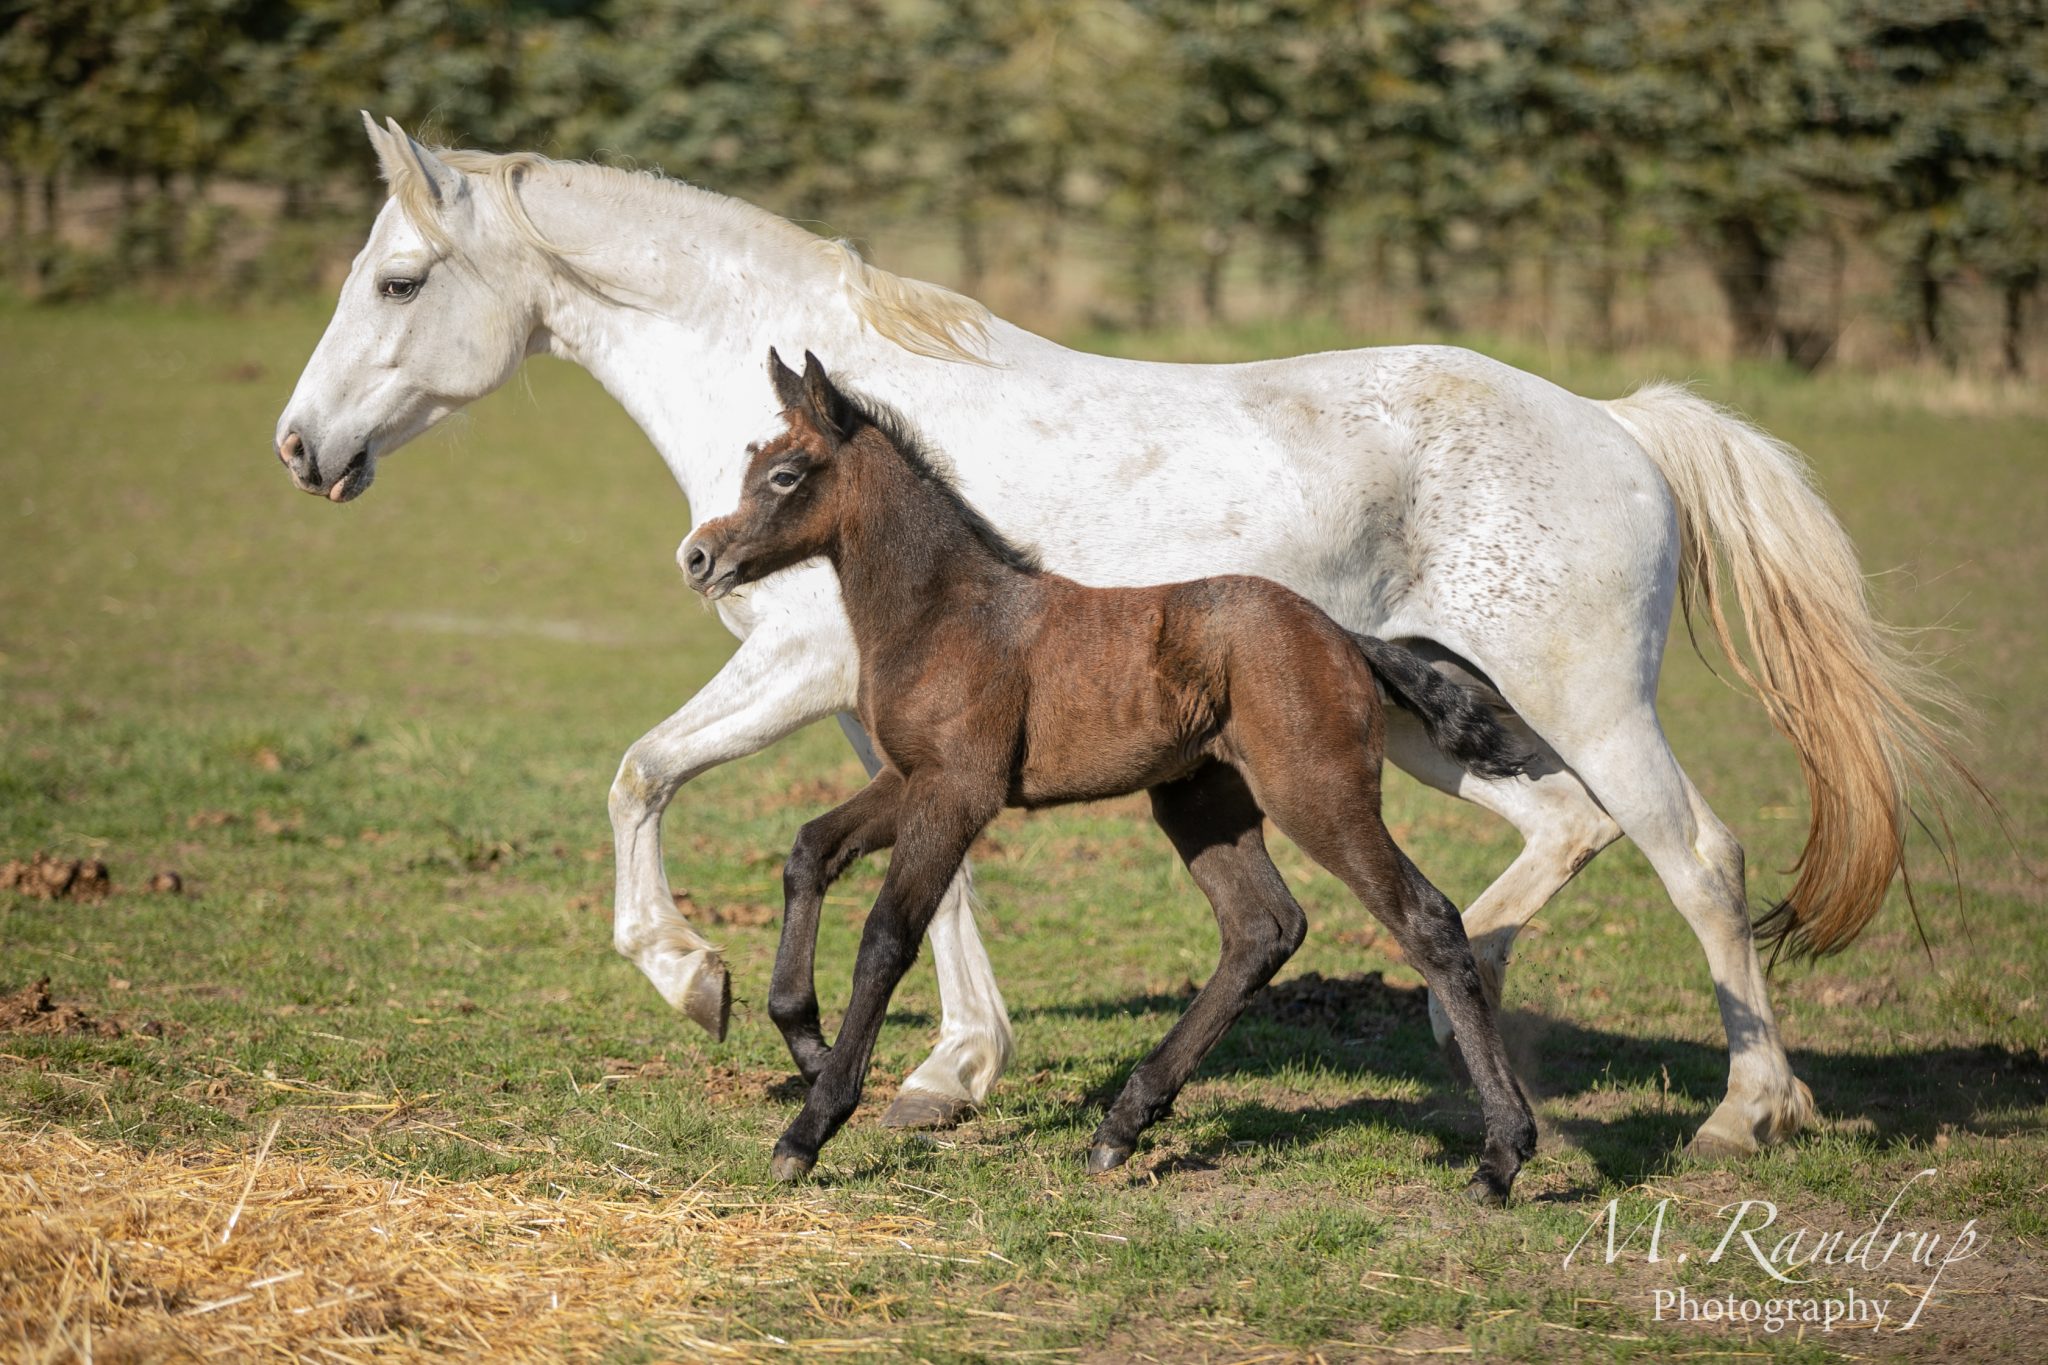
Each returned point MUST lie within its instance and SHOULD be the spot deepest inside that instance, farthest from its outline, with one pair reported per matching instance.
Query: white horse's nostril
(288, 449)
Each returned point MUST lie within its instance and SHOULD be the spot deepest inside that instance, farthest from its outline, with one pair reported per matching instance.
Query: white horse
(1531, 541)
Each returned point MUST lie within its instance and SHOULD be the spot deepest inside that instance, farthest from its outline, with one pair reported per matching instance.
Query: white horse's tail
(1869, 719)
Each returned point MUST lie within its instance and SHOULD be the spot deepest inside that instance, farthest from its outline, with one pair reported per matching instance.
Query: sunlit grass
(375, 742)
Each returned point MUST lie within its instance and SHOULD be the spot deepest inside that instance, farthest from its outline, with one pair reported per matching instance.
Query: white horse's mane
(923, 318)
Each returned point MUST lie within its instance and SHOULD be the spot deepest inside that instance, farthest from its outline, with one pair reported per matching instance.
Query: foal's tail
(1457, 722)
(1870, 720)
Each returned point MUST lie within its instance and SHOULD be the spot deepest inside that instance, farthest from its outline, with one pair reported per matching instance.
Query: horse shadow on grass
(1628, 1101)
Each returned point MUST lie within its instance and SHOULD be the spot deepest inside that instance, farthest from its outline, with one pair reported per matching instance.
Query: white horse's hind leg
(1631, 768)
(1561, 825)
(974, 1025)
(781, 680)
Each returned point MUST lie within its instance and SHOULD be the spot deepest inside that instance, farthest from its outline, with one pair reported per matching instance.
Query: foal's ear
(827, 408)
(789, 385)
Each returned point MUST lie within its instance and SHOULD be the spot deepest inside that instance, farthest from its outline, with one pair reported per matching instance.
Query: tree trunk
(17, 207)
(1312, 252)
(1145, 266)
(2012, 336)
(51, 196)
(1215, 255)
(1051, 218)
(1436, 312)
(1838, 281)
(967, 229)
(1927, 302)
(1746, 269)
(1606, 282)
(169, 221)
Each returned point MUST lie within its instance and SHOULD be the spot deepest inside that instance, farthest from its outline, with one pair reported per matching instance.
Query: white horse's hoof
(915, 1110)
(1743, 1127)
(707, 1000)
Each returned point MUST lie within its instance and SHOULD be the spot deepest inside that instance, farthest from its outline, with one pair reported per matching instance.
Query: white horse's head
(438, 310)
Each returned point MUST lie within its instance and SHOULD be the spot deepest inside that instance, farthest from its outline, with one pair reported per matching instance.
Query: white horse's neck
(697, 289)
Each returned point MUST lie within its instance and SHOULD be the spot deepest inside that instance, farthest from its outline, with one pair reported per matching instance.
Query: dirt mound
(50, 878)
(30, 1010)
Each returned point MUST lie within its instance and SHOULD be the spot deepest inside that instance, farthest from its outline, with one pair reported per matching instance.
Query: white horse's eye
(782, 480)
(398, 287)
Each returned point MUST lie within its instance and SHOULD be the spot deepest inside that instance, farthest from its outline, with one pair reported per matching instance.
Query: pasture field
(374, 743)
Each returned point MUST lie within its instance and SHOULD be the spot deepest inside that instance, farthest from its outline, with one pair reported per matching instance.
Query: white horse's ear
(444, 182)
(389, 152)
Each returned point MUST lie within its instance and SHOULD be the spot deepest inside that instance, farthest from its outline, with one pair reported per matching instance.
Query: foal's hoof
(924, 1109)
(788, 1167)
(709, 1003)
(1487, 1191)
(1104, 1157)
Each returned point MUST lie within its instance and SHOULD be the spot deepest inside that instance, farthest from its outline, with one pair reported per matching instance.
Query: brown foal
(986, 681)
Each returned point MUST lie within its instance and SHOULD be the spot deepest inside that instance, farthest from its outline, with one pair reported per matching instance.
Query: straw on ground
(108, 1254)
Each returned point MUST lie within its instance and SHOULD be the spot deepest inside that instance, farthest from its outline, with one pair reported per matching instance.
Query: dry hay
(108, 1254)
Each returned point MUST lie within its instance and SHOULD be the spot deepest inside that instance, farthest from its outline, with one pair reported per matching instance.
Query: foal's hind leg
(1331, 810)
(824, 848)
(1561, 825)
(1216, 828)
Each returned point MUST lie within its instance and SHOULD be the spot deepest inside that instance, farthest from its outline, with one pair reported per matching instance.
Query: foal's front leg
(1216, 827)
(935, 828)
(824, 848)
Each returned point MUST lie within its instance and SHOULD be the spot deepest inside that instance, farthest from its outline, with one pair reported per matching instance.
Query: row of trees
(1399, 141)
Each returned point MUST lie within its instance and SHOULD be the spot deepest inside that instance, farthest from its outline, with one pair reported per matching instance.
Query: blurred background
(1858, 183)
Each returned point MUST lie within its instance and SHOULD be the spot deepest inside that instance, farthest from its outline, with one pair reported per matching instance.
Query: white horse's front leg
(974, 1025)
(786, 674)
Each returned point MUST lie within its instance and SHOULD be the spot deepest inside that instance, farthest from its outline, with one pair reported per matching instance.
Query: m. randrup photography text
(1750, 1231)
(1772, 1315)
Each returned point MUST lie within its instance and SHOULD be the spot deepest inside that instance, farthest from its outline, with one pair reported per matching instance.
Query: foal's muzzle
(701, 567)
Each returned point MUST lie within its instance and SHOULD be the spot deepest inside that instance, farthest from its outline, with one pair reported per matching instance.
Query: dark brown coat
(986, 682)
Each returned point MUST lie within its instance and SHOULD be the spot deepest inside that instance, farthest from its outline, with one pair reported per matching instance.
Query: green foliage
(1431, 137)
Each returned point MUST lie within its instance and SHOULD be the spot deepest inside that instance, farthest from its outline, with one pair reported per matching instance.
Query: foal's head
(792, 496)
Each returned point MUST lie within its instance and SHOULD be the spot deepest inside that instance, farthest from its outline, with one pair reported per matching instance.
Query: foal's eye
(399, 287)
(782, 480)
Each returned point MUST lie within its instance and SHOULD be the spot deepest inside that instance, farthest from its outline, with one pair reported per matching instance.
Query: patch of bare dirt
(814, 794)
(49, 878)
(751, 1085)
(1338, 1003)
(749, 915)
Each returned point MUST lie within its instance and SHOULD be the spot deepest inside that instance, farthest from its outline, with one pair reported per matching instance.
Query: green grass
(376, 743)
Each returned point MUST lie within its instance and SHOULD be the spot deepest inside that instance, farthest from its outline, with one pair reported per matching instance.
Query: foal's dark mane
(904, 439)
